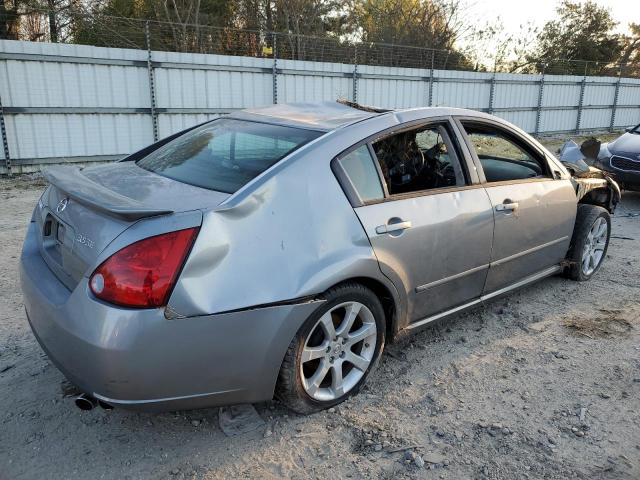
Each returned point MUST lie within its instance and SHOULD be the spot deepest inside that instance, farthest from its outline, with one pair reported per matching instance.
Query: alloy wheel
(338, 351)
(594, 246)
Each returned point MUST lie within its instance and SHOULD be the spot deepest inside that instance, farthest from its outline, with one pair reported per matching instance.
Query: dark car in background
(621, 158)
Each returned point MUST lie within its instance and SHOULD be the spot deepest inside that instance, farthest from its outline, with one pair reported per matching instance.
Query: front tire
(334, 351)
(589, 243)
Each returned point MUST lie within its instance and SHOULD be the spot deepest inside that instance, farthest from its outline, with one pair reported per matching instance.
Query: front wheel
(334, 351)
(589, 242)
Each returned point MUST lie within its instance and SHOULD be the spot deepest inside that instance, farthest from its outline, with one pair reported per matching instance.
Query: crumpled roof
(315, 115)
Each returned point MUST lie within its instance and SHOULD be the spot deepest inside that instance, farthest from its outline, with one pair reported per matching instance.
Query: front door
(534, 213)
(430, 229)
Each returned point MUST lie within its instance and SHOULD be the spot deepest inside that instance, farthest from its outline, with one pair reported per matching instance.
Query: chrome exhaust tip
(85, 402)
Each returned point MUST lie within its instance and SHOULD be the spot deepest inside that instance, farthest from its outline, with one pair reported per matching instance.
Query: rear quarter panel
(289, 234)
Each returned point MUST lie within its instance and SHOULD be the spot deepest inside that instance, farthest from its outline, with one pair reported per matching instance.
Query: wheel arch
(389, 298)
(600, 197)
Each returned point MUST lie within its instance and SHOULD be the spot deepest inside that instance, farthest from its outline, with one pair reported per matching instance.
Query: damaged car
(276, 250)
(619, 158)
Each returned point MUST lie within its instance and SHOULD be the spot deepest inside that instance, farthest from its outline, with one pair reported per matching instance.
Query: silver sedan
(274, 251)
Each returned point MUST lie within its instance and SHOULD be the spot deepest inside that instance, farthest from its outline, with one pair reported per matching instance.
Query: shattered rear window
(225, 154)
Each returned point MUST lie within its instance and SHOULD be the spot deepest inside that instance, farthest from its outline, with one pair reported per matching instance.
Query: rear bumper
(140, 360)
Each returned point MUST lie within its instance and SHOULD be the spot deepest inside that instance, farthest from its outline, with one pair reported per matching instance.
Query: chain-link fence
(80, 102)
(113, 31)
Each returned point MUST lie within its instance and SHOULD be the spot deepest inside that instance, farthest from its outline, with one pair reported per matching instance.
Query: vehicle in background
(620, 158)
(275, 251)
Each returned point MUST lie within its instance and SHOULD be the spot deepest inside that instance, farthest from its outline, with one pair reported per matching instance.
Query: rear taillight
(143, 274)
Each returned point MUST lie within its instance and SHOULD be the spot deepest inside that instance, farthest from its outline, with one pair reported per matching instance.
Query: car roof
(327, 116)
(323, 116)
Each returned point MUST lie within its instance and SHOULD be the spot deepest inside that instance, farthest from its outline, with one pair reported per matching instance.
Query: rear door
(429, 222)
(534, 211)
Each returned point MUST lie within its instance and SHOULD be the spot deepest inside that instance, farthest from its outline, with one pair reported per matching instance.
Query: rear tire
(334, 351)
(589, 243)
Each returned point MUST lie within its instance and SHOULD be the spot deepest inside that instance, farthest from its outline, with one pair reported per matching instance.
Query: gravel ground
(544, 383)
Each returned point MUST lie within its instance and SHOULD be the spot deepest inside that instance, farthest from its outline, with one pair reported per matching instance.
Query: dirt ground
(554, 142)
(544, 383)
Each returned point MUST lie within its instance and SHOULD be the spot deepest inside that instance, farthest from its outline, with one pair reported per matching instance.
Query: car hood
(573, 158)
(628, 144)
(585, 177)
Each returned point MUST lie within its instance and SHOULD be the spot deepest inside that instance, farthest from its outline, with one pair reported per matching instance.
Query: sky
(515, 13)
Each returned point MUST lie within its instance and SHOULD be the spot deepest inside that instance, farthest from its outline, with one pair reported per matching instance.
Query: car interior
(501, 158)
(416, 160)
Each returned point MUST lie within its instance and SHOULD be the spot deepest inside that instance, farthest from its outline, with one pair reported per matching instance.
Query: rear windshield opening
(225, 154)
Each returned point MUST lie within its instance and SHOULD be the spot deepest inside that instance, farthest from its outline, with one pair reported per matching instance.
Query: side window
(418, 159)
(501, 157)
(359, 167)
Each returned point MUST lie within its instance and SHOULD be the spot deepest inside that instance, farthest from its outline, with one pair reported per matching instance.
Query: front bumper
(628, 180)
(140, 360)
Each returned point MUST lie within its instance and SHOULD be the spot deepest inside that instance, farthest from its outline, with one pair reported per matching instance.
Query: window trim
(511, 134)
(345, 181)
(376, 162)
(453, 144)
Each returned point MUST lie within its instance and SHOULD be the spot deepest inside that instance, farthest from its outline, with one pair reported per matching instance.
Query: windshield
(225, 154)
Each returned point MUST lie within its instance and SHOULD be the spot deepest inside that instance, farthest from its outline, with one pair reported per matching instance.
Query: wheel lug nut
(344, 340)
(328, 349)
(331, 360)
(341, 354)
(366, 345)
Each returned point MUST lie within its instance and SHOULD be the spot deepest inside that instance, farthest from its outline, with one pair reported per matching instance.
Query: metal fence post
(583, 84)
(5, 141)
(152, 83)
(355, 74)
(615, 100)
(540, 98)
(433, 60)
(492, 90)
(274, 71)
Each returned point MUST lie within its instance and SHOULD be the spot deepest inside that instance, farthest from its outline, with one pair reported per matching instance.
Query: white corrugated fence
(77, 103)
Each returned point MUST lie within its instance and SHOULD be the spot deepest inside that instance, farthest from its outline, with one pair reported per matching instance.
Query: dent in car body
(139, 359)
(263, 256)
(260, 247)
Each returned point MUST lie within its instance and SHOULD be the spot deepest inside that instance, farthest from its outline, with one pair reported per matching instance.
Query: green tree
(304, 17)
(178, 25)
(630, 56)
(299, 20)
(581, 31)
(433, 24)
(9, 19)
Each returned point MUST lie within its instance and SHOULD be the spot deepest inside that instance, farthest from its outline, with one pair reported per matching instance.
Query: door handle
(507, 206)
(393, 227)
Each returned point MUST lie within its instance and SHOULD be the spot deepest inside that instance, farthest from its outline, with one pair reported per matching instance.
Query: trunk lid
(83, 211)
